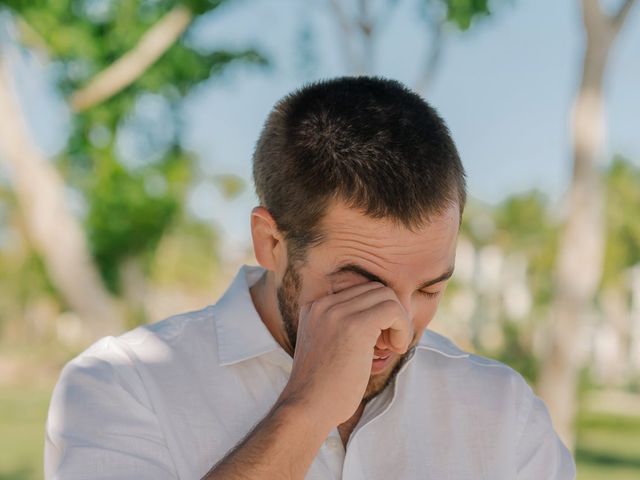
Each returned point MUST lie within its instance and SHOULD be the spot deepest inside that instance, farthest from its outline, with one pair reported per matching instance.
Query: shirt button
(334, 443)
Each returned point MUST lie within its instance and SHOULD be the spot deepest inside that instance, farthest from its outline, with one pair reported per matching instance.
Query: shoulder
(117, 359)
(474, 373)
(172, 330)
(475, 383)
(492, 393)
(103, 410)
(113, 375)
(435, 344)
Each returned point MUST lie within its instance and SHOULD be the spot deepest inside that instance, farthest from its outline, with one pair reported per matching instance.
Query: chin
(377, 383)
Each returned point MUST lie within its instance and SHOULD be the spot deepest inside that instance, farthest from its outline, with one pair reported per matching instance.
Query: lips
(380, 362)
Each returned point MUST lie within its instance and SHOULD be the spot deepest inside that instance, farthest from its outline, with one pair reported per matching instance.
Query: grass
(22, 415)
(608, 445)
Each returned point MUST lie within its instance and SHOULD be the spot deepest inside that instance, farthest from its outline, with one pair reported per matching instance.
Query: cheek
(425, 310)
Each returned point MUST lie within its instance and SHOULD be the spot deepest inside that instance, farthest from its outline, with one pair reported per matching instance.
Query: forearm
(282, 446)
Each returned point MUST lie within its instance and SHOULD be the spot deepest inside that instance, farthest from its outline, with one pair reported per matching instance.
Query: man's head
(358, 180)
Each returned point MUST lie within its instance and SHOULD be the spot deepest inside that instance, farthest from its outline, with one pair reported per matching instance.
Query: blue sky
(505, 89)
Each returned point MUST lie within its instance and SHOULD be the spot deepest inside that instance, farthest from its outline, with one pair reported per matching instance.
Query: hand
(334, 348)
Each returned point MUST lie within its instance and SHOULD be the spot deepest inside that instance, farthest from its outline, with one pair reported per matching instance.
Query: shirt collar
(241, 334)
(435, 342)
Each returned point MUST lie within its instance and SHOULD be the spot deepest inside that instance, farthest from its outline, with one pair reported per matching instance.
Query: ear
(268, 241)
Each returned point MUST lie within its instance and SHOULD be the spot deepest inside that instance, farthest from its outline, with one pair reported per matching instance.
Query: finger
(304, 310)
(389, 319)
(342, 296)
(349, 293)
(365, 300)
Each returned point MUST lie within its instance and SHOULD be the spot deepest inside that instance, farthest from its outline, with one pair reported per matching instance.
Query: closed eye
(428, 294)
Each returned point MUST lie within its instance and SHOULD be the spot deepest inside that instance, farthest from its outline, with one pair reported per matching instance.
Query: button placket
(333, 453)
(334, 443)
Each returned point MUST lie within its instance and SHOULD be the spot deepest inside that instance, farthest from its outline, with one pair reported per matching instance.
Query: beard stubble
(288, 294)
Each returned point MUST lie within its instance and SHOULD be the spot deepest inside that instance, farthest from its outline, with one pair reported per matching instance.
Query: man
(317, 364)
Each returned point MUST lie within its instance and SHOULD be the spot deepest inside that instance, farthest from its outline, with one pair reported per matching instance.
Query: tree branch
(619, 18)
(366, 29)
(124, 71)
(347, 29)
(432, 61)
(29, 35)
(40, 194)
(593, 16)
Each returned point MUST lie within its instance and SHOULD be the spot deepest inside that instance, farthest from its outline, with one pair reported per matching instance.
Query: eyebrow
(357, 269)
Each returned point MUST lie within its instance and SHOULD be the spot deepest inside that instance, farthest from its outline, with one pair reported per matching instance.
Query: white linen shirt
(169, 400)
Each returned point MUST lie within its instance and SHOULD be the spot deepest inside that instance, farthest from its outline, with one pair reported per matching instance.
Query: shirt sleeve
(100, 424)
(541, 455)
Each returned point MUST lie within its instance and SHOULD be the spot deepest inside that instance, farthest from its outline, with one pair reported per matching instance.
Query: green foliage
(188, 255)
(523, 224)
(622, 214)
(125, 219)
(23, 412)
(462, 13)
(23, 278)
(84, 37)
(608, 446)
(522, 220)
(202, 6)
(230, 185)
(515, 352)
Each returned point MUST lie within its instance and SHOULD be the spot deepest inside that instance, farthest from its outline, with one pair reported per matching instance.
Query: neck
(265, 300)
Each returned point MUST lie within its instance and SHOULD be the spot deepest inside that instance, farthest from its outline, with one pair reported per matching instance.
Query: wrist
(305, 413)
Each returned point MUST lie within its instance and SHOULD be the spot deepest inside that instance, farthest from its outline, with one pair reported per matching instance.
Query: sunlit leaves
(126, 217)
(130, 203)
(623, 213)
(230, 185)
(463, 12)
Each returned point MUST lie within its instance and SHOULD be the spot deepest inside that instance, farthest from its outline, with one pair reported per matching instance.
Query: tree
(578, 268)
(622, 183)
(53, 231)
(146, 54)
(619, 294)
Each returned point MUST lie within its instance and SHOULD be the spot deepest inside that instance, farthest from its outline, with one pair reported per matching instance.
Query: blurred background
(126, 134)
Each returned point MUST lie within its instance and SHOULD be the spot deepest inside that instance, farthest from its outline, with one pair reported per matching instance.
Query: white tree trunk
(53, 231)
(124, 71)
(581, 250)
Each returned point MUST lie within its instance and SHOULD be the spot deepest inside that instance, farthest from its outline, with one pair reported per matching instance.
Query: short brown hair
(367, 141)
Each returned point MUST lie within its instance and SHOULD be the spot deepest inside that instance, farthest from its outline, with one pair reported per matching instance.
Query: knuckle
(317, 306)
(389, 305)
(333, 312)
(313, 312)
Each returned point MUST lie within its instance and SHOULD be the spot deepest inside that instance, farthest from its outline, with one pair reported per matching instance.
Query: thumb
(304, 310)
(398, 339)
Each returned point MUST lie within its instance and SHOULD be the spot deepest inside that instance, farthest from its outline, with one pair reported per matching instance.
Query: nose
(406, 303)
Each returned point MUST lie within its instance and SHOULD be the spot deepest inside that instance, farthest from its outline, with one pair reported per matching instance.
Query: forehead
(389, 249)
